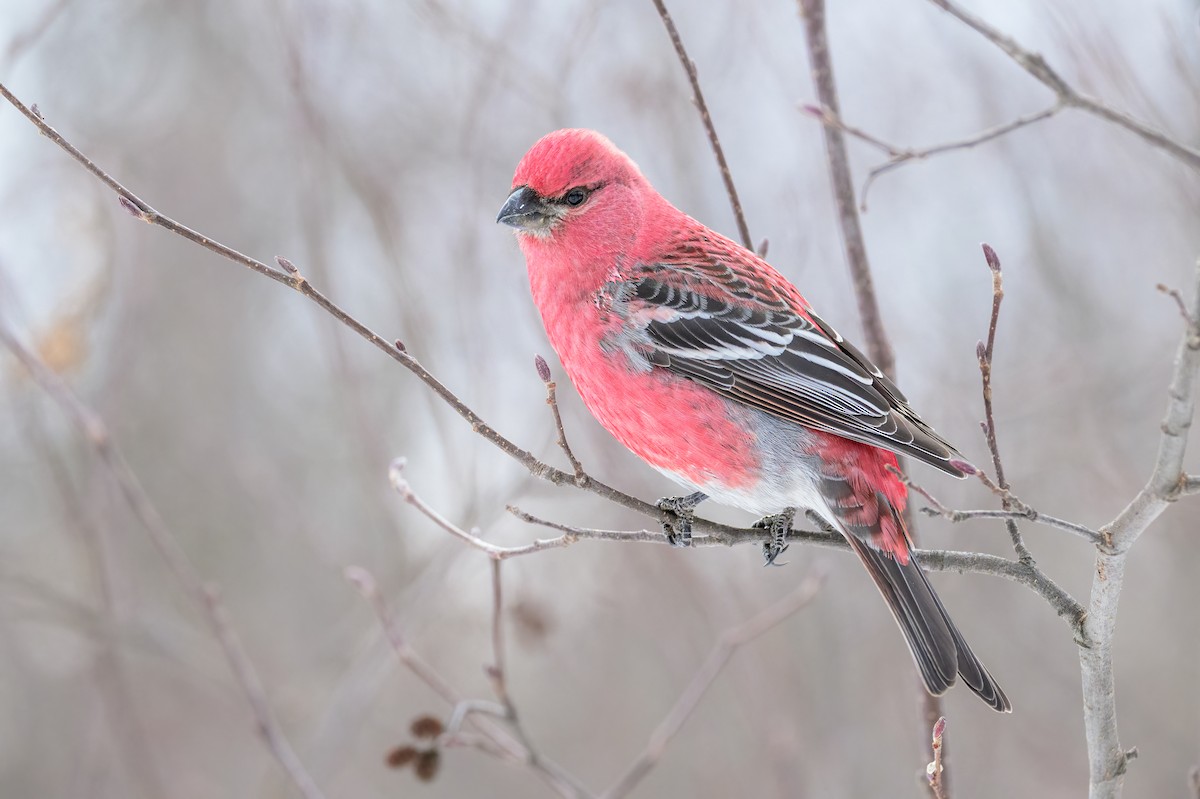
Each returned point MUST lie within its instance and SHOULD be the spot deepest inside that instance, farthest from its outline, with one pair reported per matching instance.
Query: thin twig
(956, 516)
(879, 347)
(698, 96)
(1179, 303)
(828, 118)
(1036, 65)
(1020, 510)
(985, 353)
(1064, 604)
(905, 156)
(726, 646)
(935, 771)
(392, 348)
(496, 738)
(543, 370)
(1107, 759)
(97, 435)
(563, 782)
(899, 156)
(714, 533)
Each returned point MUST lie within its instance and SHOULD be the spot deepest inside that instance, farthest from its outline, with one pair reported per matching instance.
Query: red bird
(711, 367)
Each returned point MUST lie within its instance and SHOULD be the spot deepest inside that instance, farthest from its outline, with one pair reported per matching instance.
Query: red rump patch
(865, 494)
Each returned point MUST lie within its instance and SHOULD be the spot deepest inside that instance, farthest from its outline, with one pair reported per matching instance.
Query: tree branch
(1107, 759)
(494, 739)
(207, 597)
(289, 275)
(878, 347)
(559, 779)
(698, 97)
(1036, 65)
(985, 352)
(543, 370)
(727, 645)
(899, 156)
(935, 769)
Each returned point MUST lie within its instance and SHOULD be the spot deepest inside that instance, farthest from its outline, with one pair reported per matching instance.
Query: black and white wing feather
(764, 353)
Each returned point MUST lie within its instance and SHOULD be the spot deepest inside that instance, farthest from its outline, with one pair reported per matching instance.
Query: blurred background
(372, 143)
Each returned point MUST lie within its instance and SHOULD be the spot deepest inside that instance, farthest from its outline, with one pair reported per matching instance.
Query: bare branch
(714, 533)
(725, 536)
(698, 97)
(495, 738)
(905, 156)
(1036, 65)
(899, 156)
(934, 770)
(878, 347)
(830, 119)
(956, 516)
(728, 644)
(1179, 303)
(1064, 604)
(404, 489)
(393, 349)
(560, 780)
(552, 400)
(1107, 759)
(1020, 510)
(97, 435)
(985, 353)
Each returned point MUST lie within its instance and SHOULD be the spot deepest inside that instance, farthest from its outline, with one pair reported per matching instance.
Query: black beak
(524, 210)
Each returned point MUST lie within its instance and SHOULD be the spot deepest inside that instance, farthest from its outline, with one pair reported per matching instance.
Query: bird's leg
(780, 527)
(819, 521)
(677, 526)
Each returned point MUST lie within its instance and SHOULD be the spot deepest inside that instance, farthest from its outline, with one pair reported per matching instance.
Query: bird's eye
(576, 196)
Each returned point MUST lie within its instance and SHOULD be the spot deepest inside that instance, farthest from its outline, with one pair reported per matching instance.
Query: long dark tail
(936, 644)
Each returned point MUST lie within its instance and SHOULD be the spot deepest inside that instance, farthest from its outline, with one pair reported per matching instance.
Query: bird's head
(573, 185)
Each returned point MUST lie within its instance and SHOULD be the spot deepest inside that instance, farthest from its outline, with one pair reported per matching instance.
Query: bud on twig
(132, 208)
(963, 466)
(993, 260)
(397, 479)
(543, 368)
(286, 265)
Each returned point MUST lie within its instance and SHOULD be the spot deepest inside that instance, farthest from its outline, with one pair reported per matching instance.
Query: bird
(709, 365)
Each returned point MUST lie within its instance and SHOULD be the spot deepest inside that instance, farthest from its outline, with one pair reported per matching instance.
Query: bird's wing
(741, 330)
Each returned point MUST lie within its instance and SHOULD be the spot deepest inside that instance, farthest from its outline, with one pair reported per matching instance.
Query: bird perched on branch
(710, 366)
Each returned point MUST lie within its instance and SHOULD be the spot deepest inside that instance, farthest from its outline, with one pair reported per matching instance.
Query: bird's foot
(779, 527)
(677, 521)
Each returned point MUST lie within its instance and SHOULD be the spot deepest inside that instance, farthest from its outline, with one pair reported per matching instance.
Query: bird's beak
(525, 210)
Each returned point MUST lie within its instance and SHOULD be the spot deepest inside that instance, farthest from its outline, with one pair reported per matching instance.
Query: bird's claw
(677, 525)
(779, 527)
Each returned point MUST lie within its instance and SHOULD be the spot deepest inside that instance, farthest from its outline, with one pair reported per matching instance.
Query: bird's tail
(936, 644)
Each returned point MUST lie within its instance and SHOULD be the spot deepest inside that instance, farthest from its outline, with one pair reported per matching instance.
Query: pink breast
(670, 422)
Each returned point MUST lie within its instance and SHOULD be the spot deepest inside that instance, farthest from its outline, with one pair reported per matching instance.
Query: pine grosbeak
(710, 366)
